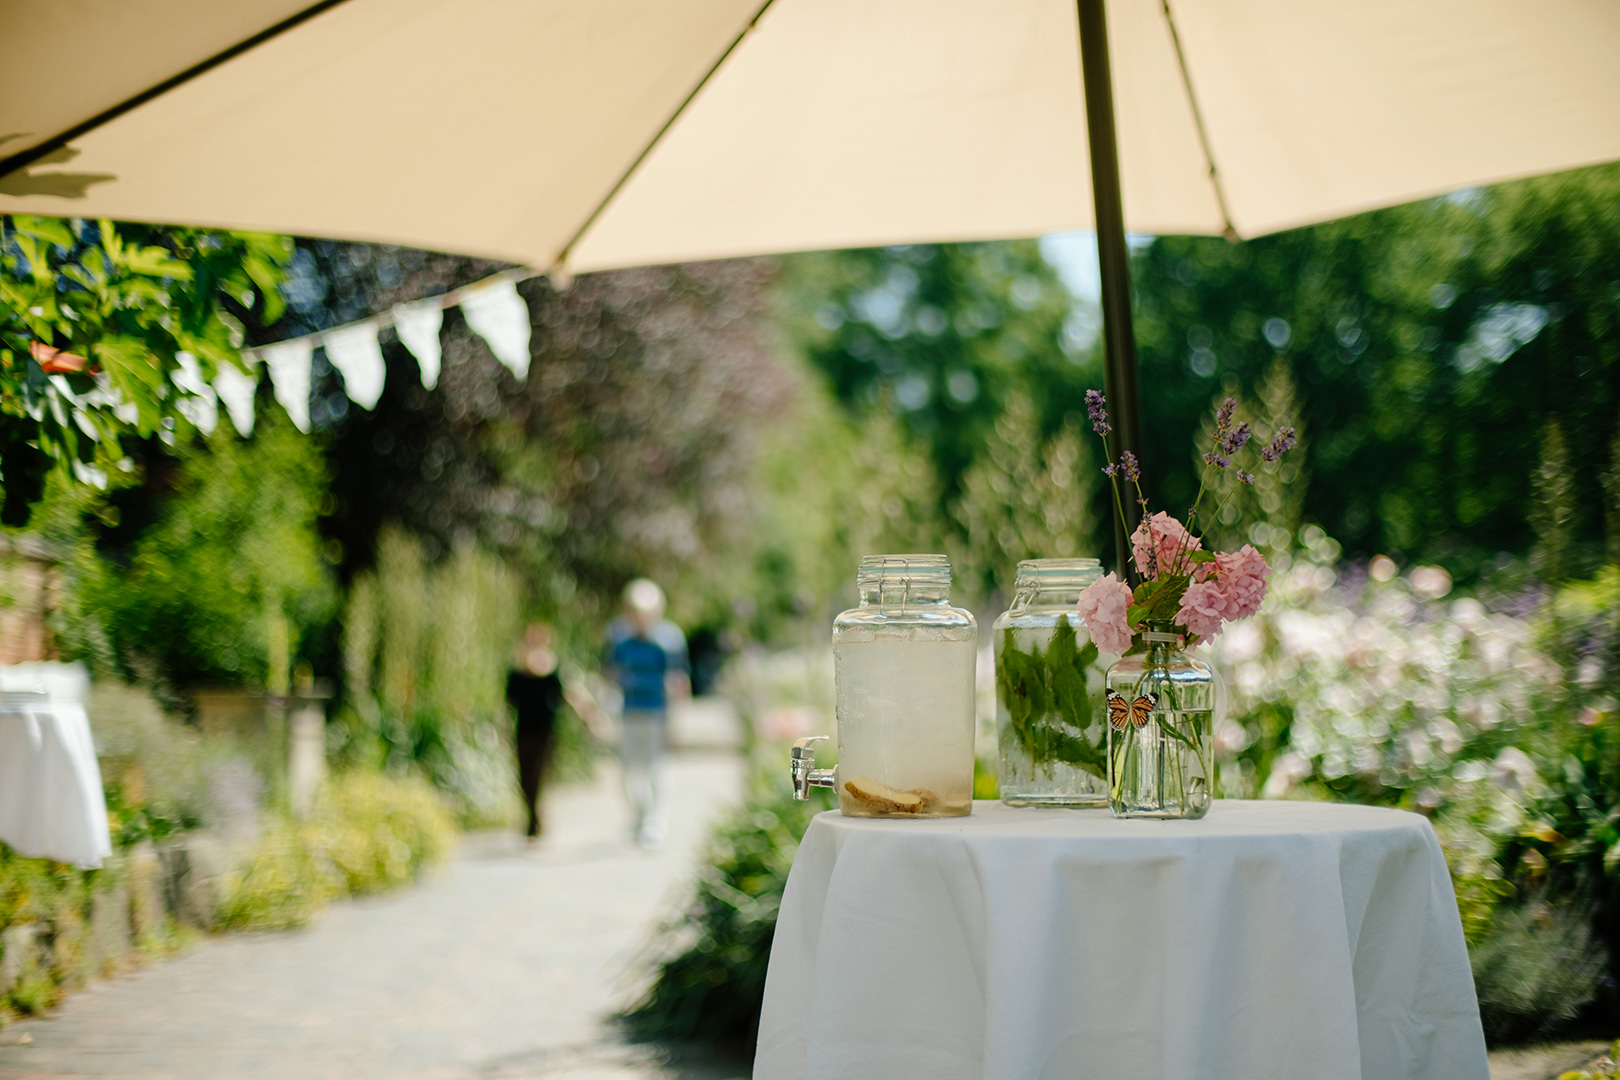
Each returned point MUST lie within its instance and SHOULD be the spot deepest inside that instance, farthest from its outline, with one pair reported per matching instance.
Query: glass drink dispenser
(904, 669)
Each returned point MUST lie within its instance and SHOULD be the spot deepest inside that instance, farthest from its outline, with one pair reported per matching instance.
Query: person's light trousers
(641, 758)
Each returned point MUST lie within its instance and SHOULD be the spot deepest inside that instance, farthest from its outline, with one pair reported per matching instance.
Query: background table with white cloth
(1271, 939)
(51, 800)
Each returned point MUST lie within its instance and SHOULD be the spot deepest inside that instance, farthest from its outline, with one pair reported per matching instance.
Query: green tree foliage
(1430, 344)
(195, 593)
(828, 488)
(1611, 503)
(940, 333)
(109, 330)
(658, 433)
(1023, 498)
(1553, 506)
(653, 395)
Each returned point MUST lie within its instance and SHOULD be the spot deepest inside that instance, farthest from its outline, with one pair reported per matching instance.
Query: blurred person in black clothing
(535, 692)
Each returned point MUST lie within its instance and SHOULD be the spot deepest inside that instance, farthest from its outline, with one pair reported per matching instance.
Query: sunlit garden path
(503, 965)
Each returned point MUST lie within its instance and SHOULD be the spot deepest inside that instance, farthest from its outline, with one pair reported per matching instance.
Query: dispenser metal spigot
(805, 773)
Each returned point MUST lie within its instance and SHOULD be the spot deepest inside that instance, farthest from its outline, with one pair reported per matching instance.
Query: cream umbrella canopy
(624, 132)
(579, 135)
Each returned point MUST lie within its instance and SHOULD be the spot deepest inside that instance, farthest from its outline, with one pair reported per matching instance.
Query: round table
(51, 801)
(1302, 941)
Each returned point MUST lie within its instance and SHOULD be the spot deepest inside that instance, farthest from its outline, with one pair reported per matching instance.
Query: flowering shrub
(1380, 691)
(1496, 720)
(1606, 1067)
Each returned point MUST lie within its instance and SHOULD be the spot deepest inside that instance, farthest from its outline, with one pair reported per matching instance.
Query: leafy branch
(107, 331)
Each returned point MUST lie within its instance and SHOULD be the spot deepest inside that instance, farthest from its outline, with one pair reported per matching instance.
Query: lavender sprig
(1280, 445)
(1231, 436)
(1132, 471)
(1229, 439)
(1097, 406)
(1129, 465)
(1237, 438)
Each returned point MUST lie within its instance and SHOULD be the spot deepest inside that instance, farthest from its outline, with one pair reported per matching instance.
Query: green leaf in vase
(1046, 695)
(1066, 667)
(1022, 685)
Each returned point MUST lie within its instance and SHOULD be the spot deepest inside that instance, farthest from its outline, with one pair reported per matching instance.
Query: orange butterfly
(1137, 712)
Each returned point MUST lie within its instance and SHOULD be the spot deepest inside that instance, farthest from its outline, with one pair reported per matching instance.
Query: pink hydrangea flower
(1234, 590)
(1203, 609)
(1103, 606)
(1241, 576)
(1160, 544)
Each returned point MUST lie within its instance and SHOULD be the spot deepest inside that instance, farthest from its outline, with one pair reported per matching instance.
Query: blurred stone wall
(30, 589)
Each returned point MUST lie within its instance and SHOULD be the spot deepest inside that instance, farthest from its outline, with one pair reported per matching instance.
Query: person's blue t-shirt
(642, 662)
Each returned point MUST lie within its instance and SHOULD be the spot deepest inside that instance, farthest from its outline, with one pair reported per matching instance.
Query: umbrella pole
(1119, 340)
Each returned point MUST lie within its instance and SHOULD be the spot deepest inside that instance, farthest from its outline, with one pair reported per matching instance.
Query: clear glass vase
(1161, 704)
(1049, 681)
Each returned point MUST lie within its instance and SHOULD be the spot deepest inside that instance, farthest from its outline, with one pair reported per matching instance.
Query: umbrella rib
(561, 261)
(1230, 232)
(23, 159)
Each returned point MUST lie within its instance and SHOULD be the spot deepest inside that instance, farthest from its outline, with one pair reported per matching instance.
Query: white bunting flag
(499, 316)
(353, 350)
(235, 388)
(288, 364)
(201, 405)
(418, 329)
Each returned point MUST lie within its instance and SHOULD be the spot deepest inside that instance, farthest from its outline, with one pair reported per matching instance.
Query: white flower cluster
(1387, 682)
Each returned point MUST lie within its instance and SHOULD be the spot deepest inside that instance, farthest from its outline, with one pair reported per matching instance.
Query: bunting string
(493, 310)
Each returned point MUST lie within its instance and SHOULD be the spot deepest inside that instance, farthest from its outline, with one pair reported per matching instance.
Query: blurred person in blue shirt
(646, 655)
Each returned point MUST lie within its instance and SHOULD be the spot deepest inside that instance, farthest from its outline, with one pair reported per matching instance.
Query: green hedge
(709, 972)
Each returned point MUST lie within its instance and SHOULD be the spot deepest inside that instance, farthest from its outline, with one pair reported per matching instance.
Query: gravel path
(502, 966)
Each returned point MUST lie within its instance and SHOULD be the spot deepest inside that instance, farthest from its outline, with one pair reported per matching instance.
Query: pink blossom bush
(1103, 606)
(1390, 689)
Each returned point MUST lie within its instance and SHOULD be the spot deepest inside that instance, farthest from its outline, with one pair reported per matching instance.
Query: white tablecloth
(51, 800)
(1301, 941)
